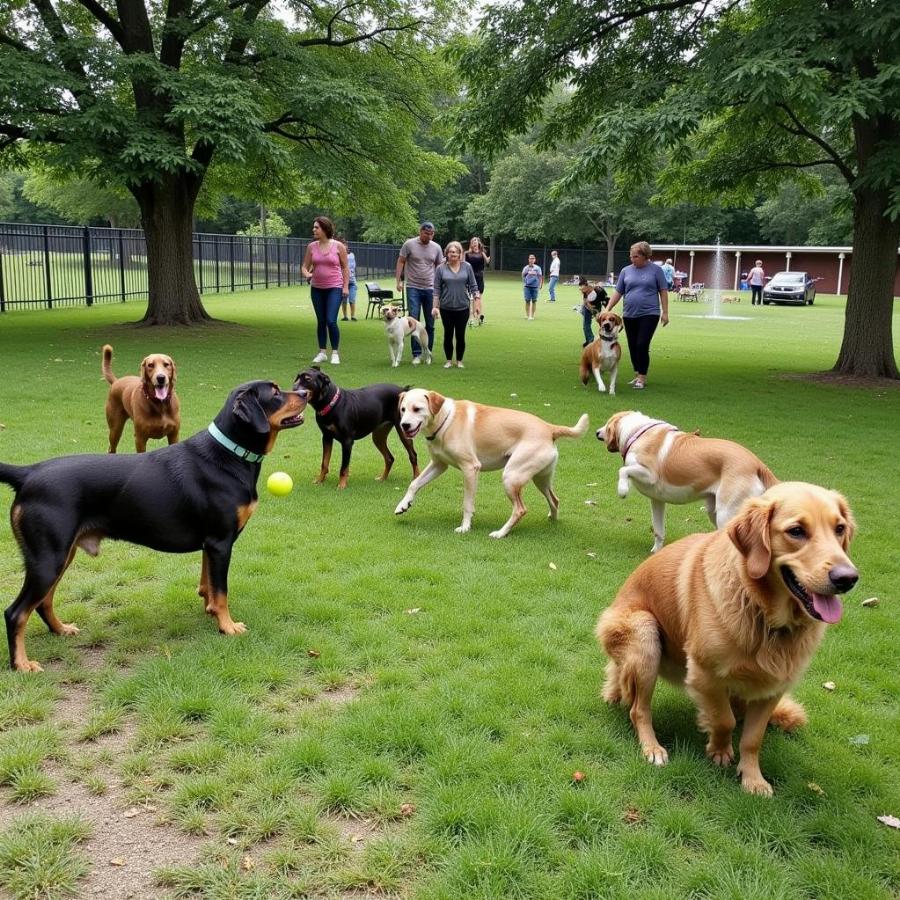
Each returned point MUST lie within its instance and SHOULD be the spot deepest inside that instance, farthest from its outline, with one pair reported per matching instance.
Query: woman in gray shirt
(454, 283)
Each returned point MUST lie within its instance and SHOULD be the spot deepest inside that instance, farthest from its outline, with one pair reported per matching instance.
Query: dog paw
(720, 756)
(402, 507)
(656, 754)
(69, 629)
(463, 529)
(499, 533)
(622, 489)
(233, 628)
(756, 785)
(657, 546)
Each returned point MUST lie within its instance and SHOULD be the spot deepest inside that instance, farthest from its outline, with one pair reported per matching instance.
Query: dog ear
(435, 402)
(145, 370)
(850, 530)
(749, 532)
(247, 408)
(172, 377)
(400, 398)
(611, 433)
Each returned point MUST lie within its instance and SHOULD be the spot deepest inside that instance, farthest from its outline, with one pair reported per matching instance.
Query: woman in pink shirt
(325, 265)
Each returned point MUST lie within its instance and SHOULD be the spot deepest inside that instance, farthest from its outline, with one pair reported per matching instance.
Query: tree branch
(800, 130)
(331, 42)
(112, 24)
(10, 41)
(58, 34)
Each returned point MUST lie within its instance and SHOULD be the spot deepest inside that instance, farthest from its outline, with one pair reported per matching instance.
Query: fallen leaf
(591, 555)
(247, 863)
(313, 653)
(131, 813)
(578, 777)
(870, 602)
(513, 395)
(413, 610)
(590, 502)
(407, 809)
(546, 404)
(632, 816)
(859, 740)
(816, 789)
(117, 861)
(232, 841)
(890, 821)
(592, 484)
(355, 838)
(829, 685)
(553, 566)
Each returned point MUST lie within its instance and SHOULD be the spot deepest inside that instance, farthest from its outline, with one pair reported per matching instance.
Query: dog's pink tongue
(829, 608)
(162, 393)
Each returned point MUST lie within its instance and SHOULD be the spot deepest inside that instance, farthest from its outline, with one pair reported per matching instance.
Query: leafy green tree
(306, 101)
(818, 213)
(275, 226)
(741, 97)
(82, 201)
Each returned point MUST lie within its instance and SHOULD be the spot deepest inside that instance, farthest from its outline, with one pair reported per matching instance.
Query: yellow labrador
(734, 617)
(672, 466)
(471, 437)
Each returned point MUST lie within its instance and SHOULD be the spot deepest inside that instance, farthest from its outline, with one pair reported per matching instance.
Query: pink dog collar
(640, 431)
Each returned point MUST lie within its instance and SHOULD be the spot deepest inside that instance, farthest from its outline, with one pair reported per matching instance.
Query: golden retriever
(147, 399)
(472, 437)
(672, 466)
(734, 617)
(603, 353)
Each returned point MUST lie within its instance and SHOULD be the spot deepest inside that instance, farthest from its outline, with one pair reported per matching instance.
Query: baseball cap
(426, 226)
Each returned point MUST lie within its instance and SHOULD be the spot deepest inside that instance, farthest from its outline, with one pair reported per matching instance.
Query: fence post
(216, 245)
(265, 241)
(88, 271)
(250, 249)
(122, 265)
(278, 242)
(231, 256)
(48, 286)
(3, 289)
(200, 260)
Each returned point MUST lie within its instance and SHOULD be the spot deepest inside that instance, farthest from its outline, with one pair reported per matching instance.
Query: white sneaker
(459, 365)
(417, 360)
(448, 364)
(335, 359)
(321, 356)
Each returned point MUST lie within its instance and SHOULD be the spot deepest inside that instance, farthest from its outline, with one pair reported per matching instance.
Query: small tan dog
(472, 437)
(603, 353)
(734, 617)
(147, 399)
(398, 328)
(731, 299)
(670, 466)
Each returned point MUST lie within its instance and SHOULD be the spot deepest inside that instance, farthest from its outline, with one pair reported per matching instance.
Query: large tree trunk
(868, 346)
(611, 253)
(167, 215)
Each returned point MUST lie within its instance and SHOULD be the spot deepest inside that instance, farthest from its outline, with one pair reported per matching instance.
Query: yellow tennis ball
(280, 484)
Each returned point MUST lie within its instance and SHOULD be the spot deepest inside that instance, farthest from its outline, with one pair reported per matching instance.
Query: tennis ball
(280, 484)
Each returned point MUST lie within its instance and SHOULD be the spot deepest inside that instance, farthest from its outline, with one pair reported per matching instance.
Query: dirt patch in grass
(837, 380)
(127, 843)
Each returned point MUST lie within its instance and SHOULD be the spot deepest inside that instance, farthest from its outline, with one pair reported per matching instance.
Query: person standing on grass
(669, 272)
(454, 281)
(325, 265)
(532, 282)
(593, 299)
(419, 257)
(350, 300)
(756, 277)
(477, 258)
(555, 263)
(643, 285)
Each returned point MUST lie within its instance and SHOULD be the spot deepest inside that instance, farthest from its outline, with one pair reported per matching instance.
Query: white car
(790, 287)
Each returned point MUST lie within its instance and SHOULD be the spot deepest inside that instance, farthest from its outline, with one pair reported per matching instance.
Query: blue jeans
(587, 321)
(554, 281)
(421, 300)
(327, 303)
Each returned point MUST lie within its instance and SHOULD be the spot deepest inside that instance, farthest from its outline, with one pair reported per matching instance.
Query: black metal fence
(46, 266)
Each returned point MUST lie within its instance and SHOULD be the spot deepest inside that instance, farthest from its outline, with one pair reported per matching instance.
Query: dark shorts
(530, 294)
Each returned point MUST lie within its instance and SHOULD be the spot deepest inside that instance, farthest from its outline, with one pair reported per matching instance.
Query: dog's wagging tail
(194, 495)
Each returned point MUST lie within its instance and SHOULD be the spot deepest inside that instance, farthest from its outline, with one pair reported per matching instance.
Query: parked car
(790, 287)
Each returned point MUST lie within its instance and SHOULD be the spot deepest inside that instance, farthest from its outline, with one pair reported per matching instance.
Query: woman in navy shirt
(643, 285)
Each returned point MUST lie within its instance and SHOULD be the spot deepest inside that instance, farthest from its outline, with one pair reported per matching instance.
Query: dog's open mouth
(161, 392)
(412, 432)
(825, 608)
(292, 421)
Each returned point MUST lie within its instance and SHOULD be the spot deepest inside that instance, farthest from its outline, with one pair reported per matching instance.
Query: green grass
(476, 709)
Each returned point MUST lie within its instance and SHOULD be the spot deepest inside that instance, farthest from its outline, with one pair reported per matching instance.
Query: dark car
(790, 287)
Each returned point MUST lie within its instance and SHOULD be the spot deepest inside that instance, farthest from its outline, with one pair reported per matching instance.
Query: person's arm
(345, 269)
(401, 264)
(306, 267)
(540, 279)
(487, 259)
(664, 303)
(438, 291)
(472, 288)
(616, 296)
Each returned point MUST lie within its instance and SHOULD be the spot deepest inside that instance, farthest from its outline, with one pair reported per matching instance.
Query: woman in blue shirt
(643, 285)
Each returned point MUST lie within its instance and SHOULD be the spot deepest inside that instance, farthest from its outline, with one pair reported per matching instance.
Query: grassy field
(407, 710)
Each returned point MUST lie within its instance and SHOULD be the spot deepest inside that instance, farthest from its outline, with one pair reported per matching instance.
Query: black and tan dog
(347, 415)
(196, 495)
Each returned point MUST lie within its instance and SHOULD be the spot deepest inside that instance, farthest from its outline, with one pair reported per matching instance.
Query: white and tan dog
(398, 328)
(670, 466)
(603, 353)
(471, 437)
(734, 617)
